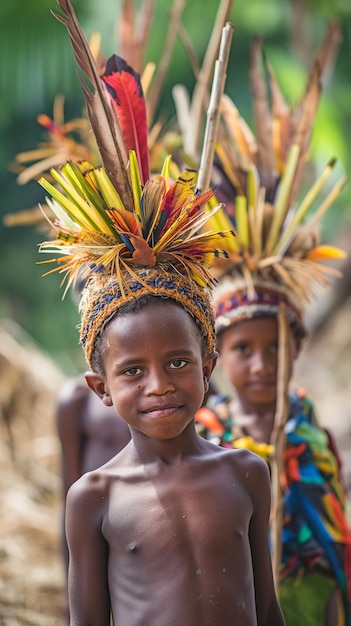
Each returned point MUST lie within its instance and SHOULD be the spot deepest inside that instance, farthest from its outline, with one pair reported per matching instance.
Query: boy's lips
(161, 410)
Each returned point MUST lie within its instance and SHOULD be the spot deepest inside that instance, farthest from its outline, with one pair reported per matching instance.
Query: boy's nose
(158, 383)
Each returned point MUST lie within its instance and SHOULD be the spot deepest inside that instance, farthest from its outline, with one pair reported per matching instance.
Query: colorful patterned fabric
(316, 536)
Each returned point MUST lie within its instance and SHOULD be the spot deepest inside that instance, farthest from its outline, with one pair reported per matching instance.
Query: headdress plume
(276, 249)
(124, 87)
(101, 114)
(95, 233)
(128, 235)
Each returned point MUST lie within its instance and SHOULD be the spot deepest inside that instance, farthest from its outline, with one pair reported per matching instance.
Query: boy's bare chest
(176, 509)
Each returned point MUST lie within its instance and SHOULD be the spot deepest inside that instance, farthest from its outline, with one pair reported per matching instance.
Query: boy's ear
(209, 364)
(97, 383)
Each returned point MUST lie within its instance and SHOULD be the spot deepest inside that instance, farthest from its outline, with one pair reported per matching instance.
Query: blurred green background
(37, 63)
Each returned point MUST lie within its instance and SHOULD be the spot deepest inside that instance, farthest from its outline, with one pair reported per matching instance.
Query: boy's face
(155, 371)
(248, 355)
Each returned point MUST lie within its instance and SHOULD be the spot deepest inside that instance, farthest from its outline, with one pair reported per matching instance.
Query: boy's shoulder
(250, 471)
(93, 482)
(245, 461)
(92, 490)
(101, 477)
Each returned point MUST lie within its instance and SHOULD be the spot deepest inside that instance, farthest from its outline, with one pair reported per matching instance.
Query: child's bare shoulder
(254, 474)
(90, 491)
(96, 484)
(253, 466)
(241, 460)
(248, 465)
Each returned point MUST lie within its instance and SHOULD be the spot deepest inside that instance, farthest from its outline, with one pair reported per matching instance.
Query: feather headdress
(276, 254)
(125, 233)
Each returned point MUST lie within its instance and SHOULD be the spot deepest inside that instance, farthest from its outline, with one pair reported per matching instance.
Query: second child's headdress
(127, 234)
(277, 256)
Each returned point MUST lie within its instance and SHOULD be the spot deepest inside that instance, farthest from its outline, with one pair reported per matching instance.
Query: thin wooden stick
(200, 98)
(133, 37)
(213, 113)
(155, 89)
(279, 442)
(191, 117)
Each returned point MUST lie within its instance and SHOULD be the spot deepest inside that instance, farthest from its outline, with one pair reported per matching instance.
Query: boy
(173, 530)
(148, 539)
(157, 544)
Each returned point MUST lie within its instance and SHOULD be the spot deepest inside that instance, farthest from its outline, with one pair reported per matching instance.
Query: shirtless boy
(174, 528)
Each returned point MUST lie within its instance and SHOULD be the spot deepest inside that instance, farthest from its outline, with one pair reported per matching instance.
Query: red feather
(124, 88)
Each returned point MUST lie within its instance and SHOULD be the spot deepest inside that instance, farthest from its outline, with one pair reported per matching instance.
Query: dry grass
(31, 574)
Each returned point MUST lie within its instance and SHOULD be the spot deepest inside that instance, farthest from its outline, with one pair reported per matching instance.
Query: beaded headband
(233, 303)
(100, 303)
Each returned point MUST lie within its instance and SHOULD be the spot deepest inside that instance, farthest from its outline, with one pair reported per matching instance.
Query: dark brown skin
(173, 530)
(248, 356)
(90, 434)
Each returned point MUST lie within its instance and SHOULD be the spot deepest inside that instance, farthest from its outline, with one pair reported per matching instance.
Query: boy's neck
(166, 451)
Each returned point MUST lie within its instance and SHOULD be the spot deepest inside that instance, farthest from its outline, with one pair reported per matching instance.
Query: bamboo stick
(213, 113)
(279, 442)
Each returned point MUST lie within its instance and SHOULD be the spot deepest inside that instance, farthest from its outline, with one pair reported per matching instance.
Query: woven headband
(233, 303)
(100, 302)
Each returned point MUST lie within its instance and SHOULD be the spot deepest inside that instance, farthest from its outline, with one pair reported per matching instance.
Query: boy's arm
(88, 591)
(69, 416)
(267, 606)
(70, 408)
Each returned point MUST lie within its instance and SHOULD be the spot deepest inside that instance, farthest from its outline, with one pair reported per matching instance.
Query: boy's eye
(132, 371)
(177, 364)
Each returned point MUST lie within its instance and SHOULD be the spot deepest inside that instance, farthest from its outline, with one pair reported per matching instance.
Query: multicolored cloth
(316, 535)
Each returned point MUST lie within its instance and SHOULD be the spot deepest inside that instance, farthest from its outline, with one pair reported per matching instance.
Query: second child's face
(155, 369)
(248, 355)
